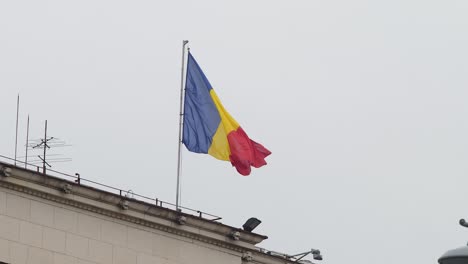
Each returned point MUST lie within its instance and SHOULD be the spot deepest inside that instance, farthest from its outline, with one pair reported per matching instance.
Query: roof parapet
(123, 206)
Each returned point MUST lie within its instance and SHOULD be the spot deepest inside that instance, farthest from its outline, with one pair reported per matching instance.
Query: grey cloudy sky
(363, 104)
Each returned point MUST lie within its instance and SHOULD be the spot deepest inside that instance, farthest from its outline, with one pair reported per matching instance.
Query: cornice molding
(158, 218)
(120, 216)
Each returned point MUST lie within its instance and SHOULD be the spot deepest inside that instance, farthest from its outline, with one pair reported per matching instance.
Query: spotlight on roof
(251, 224)
(316, 254)
(298, 258)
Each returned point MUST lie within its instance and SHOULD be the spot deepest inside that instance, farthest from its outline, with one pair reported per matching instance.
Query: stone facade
(40, 223)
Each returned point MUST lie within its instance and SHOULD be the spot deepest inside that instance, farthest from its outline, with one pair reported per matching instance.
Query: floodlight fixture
(315, 254)
(251, 224)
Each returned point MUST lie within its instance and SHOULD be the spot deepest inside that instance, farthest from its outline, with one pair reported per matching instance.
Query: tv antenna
(46, 144)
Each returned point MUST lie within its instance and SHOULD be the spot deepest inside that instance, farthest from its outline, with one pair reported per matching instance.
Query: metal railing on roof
(121, 192)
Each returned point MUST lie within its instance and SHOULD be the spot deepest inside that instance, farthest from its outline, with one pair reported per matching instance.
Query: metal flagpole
(179, 160)
(17, 117)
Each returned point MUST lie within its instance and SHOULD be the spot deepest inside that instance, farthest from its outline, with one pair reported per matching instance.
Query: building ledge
(125, 208)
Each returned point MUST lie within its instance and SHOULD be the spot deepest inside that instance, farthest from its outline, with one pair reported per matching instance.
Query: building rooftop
(99, 198)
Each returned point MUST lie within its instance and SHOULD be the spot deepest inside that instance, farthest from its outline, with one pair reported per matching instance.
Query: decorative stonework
(120, 216)
(157, 220)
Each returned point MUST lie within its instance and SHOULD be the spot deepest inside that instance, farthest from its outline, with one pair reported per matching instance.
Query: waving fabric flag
(209, 128)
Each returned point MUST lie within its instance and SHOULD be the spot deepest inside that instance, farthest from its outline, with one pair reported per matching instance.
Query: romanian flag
(209, 128)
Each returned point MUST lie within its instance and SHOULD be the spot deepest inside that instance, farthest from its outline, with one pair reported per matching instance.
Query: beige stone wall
(35, 231)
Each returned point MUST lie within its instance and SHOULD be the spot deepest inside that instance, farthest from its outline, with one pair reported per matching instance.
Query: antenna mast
(16, 133)
(44, 144)
(27, 141)
(45, 148)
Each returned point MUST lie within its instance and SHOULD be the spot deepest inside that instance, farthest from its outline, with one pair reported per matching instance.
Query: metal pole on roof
(27, 143)
(45, 148)
(179, 160)
(16, 133)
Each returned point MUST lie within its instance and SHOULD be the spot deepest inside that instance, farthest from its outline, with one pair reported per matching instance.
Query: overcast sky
(363, 104)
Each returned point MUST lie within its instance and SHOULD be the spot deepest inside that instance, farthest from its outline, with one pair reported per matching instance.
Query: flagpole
(181, 113)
